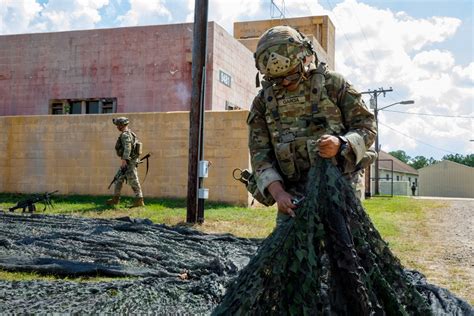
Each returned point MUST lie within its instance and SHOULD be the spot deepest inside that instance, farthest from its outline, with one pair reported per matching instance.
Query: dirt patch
(447, 243)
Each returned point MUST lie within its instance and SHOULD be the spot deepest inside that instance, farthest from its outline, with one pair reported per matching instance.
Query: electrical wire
(342, 30)
(415, 139)
(426, 114)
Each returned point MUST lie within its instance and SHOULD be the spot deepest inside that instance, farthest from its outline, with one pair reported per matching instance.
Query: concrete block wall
(75, 153)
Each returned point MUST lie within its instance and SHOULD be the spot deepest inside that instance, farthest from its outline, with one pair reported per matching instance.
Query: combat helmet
(122, 121)
(281, 49)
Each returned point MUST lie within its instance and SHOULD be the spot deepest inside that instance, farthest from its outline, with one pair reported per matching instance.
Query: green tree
(419, 162)
(467, 160)
(400, 155)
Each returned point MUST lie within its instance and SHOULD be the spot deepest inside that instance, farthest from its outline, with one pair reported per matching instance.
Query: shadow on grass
(92, 203)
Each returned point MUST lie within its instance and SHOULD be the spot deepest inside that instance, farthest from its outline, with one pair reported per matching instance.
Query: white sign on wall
(225, 78)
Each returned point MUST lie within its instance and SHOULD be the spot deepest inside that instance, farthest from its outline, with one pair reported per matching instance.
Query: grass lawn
(392, 217)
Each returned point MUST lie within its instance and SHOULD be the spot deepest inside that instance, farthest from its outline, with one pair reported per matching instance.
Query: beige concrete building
(447, 179)
(319, 29)
(395, 176)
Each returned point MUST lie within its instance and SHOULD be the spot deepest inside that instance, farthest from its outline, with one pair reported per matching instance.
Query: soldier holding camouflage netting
(304, 111)
(128, 148)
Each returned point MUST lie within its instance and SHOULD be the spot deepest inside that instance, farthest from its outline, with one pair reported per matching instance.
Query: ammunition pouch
(285, 154)
(137, 150)
(248, 179)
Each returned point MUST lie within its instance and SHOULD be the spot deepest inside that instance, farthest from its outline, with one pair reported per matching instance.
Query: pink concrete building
(132, 69)
(135, 69)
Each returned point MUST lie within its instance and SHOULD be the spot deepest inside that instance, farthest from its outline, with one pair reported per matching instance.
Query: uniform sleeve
(262, 156)
(359, 122)
(126, 139)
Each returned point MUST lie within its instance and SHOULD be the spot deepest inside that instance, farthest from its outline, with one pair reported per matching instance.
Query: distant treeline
(421, 161)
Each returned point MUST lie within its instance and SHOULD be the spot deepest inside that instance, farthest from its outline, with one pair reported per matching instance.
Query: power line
(426, 114)
(344, 33)
(422, 142)
(368, 44)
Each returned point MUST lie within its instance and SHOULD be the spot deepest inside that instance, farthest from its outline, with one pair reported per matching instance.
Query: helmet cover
(122, 121)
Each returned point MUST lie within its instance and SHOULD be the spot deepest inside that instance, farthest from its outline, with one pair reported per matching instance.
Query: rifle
(121, 172)
(30, 202)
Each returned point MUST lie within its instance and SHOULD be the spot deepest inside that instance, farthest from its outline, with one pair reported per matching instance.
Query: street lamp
(377, 146)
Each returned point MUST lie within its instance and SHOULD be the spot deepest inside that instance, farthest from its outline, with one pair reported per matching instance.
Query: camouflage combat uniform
(284, 127)
(124, 148)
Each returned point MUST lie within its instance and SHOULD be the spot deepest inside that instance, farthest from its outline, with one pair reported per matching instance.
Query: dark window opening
(92, 107)
(229, 106)
(57, 108)
(107, 107)
(75, 108)
(83, 106)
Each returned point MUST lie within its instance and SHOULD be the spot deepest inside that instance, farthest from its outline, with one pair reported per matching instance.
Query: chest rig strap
(317, 85)
(285, 136)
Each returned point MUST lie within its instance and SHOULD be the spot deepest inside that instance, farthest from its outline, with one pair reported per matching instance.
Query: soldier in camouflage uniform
(303, 111)
(126, 150)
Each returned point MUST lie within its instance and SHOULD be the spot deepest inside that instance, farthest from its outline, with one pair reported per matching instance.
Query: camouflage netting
(329, 260)
(153, 255)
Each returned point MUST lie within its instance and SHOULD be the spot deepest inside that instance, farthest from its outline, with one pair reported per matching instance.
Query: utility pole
(196, 114)
(373, 103)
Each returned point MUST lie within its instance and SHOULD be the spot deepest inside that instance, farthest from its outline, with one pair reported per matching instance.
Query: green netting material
(329, 260)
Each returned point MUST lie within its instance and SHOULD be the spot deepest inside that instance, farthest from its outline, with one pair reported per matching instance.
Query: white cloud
(145, 12)
(374, 48)
(27, 16)
(465, 75)
(380, 48)
(434, 60)
(17, 16)
(61, 15)
(418, 33)
(225, 13)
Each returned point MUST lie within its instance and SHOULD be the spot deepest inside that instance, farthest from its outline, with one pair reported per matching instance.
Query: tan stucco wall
(447, 179)
(75, 153)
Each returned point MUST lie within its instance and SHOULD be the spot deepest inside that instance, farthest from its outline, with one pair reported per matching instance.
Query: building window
(387, 176)
(84, 106)
(398, 178)
(108, 107)
(57, 108)
(75, 107)
(409, 179)
(225, 78)
(229, 106)
(92, 107)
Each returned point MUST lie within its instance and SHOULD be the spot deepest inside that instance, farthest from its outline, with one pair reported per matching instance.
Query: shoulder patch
(334, 79)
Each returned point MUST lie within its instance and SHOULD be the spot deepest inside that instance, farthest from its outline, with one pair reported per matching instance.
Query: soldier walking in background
(413, 189)
(303, 111)
(128, 149)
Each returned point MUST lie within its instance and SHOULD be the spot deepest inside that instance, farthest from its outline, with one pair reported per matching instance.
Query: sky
(422, 49)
